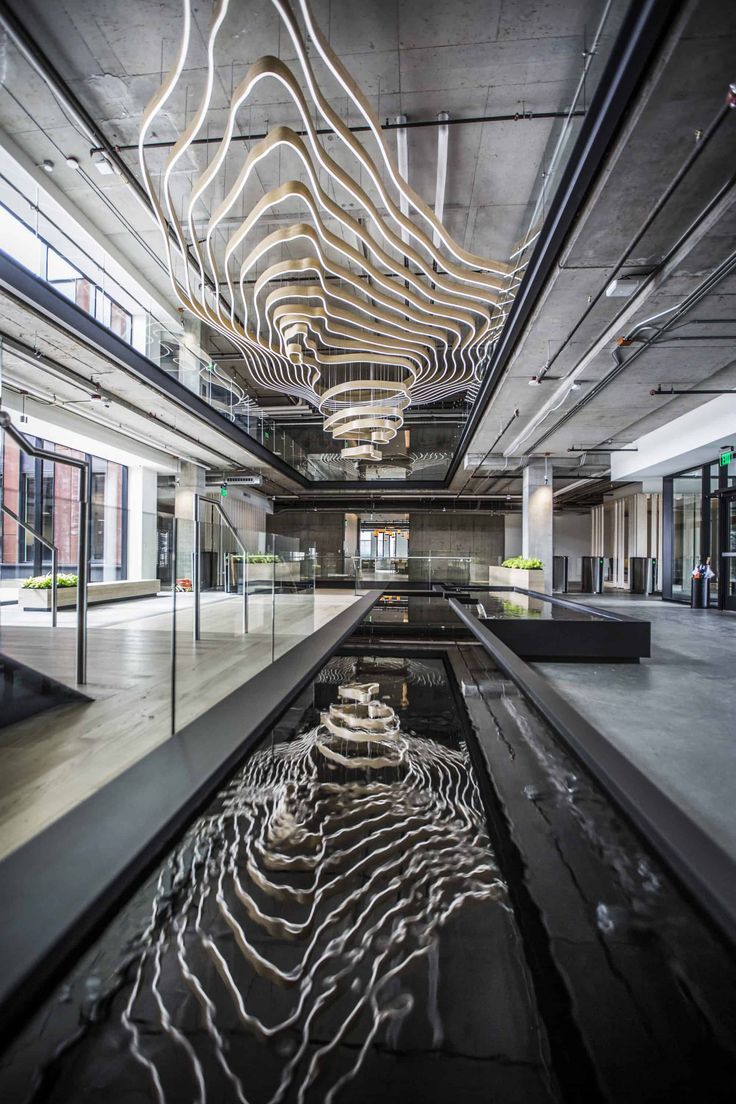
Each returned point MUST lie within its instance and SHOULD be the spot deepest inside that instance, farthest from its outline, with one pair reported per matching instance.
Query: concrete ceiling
(414, 57)
(471, 58)
(575, 327)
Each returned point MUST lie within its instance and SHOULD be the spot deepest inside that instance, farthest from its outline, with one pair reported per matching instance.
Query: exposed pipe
(676, 180)
(641, 34)
(723, 270)
(82, 119)
(694, 391)
(480, 120)
(711, 213)
(513, 417)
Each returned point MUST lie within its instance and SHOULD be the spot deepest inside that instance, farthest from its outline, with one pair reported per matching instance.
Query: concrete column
(639, 525)
(537, 539)
(597, 541)
(190, 480)
(619, 543)
(112, 525)
(142, 527)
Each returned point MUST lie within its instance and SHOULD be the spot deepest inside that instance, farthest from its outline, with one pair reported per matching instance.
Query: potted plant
(37, 591)
(518, 571)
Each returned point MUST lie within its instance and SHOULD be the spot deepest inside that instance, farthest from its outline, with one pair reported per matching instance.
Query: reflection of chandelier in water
(352, 305)
(324, 876)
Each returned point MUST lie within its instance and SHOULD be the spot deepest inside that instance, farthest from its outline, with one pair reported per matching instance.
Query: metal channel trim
(60, 889)
(707, 872)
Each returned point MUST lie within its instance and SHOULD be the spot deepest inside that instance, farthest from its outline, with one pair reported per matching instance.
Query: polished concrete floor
(52, 761)
(674, 715)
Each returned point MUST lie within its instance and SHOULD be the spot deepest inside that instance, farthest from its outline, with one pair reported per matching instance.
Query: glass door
(728, 551)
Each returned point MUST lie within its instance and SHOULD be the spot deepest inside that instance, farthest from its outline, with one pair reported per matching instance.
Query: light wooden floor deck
(50, 762)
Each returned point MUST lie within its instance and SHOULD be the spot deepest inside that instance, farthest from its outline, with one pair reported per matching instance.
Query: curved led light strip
(404, 315)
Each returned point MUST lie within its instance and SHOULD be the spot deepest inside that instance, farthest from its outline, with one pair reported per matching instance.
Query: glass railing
(206, 607)
(430, 570)
(256, 601)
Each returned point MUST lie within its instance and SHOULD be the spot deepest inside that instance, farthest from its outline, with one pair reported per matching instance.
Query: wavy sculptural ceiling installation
(359, 301)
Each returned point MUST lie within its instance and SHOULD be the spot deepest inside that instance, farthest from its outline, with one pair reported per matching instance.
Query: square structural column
(536, 522)
(189, 481)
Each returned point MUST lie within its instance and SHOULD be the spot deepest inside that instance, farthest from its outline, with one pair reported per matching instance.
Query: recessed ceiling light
(102, 164)
(623, 286)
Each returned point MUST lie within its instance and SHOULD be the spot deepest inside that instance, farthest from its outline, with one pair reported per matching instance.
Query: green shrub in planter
(43, 582)
(522, 564)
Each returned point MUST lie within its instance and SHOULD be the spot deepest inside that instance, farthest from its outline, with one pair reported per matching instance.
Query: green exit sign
(726, 457)
(223, 490)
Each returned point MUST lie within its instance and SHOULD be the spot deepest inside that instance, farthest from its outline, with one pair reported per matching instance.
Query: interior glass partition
(424, 570)
(294, 592)
(693, 529)
(686, 530)
(236, 609)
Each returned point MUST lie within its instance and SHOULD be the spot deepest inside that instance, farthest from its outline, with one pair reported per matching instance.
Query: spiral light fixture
(362, 303)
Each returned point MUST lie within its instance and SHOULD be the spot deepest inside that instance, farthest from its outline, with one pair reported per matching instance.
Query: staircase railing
(82, 540)
(47, 544)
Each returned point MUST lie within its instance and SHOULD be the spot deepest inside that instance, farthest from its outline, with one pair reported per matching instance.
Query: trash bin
(700, 593)
(592, 575)
(559, 574)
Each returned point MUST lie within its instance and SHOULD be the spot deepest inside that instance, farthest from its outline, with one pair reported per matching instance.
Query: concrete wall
(572, 539)
(512, 535)
(478, 535)
(320, 529)
(248, 512)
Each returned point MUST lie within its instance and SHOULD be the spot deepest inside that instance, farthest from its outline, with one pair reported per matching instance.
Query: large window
(44, 496)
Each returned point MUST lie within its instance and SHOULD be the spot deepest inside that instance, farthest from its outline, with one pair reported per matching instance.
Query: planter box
(290, 571)
(516, 577)
(96, 592)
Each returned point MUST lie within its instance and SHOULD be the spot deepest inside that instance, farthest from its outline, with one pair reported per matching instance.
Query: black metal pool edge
(705, 870)
(60, 889)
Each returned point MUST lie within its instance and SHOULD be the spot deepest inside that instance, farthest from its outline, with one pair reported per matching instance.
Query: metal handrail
(200, 500)
(47, 544)
(83, 537)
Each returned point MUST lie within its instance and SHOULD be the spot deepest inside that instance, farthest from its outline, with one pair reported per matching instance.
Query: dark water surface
(380, 907)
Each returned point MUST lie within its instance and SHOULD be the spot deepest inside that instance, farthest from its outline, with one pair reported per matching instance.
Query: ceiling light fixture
(103, 164)
(406, 317)
(47, 166)
(624, 286)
